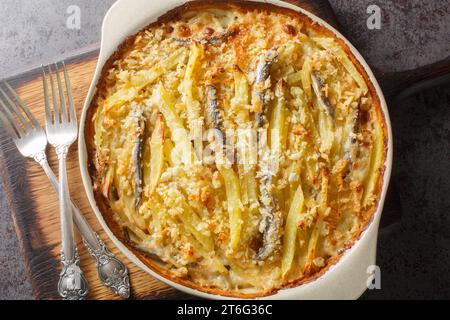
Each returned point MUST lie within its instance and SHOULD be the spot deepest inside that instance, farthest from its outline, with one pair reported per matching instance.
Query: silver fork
(61, 133)
(31, 141)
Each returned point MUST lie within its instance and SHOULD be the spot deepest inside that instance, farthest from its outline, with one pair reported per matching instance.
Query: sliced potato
(156, 154)
(232, 188)
(290, 230)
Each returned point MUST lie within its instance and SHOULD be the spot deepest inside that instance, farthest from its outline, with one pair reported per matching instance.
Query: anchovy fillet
(352, 140)
(215, 119)
(136, 157)
(271, 219)
(318, 85)
(214, 116)
(221, 38)
(214, 40)
(351, 146)
(262, 74)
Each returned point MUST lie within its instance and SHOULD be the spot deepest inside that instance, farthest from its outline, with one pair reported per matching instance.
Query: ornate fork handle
(111, 271)
(72, 284)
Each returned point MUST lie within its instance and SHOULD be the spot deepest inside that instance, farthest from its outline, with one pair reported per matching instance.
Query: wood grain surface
(34, 206)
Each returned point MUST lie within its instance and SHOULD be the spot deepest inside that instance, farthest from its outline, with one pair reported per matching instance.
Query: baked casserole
(237, 148)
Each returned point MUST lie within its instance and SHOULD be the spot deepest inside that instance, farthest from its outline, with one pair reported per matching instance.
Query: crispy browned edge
(89, 134)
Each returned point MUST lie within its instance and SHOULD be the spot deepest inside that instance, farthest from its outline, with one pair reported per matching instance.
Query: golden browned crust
(100, 89)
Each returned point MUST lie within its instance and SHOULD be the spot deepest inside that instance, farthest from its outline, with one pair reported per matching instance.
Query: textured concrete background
(414, 255)
(34, 31)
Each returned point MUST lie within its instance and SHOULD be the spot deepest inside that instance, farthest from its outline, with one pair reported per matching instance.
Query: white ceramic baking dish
(348, 278)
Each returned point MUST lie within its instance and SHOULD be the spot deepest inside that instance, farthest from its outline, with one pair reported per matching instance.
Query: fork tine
(8, 120)
(48, 115)
(55, 104)
(11, 131)
(22, 105)
(13, 109)
(73, 116)
(62, 104)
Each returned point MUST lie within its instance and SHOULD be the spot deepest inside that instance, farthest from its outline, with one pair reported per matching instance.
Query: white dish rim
(347, 278)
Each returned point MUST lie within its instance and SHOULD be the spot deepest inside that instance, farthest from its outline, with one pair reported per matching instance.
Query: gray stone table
(414, 255)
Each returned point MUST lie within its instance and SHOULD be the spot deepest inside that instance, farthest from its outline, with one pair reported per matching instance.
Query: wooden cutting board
(34, 205)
